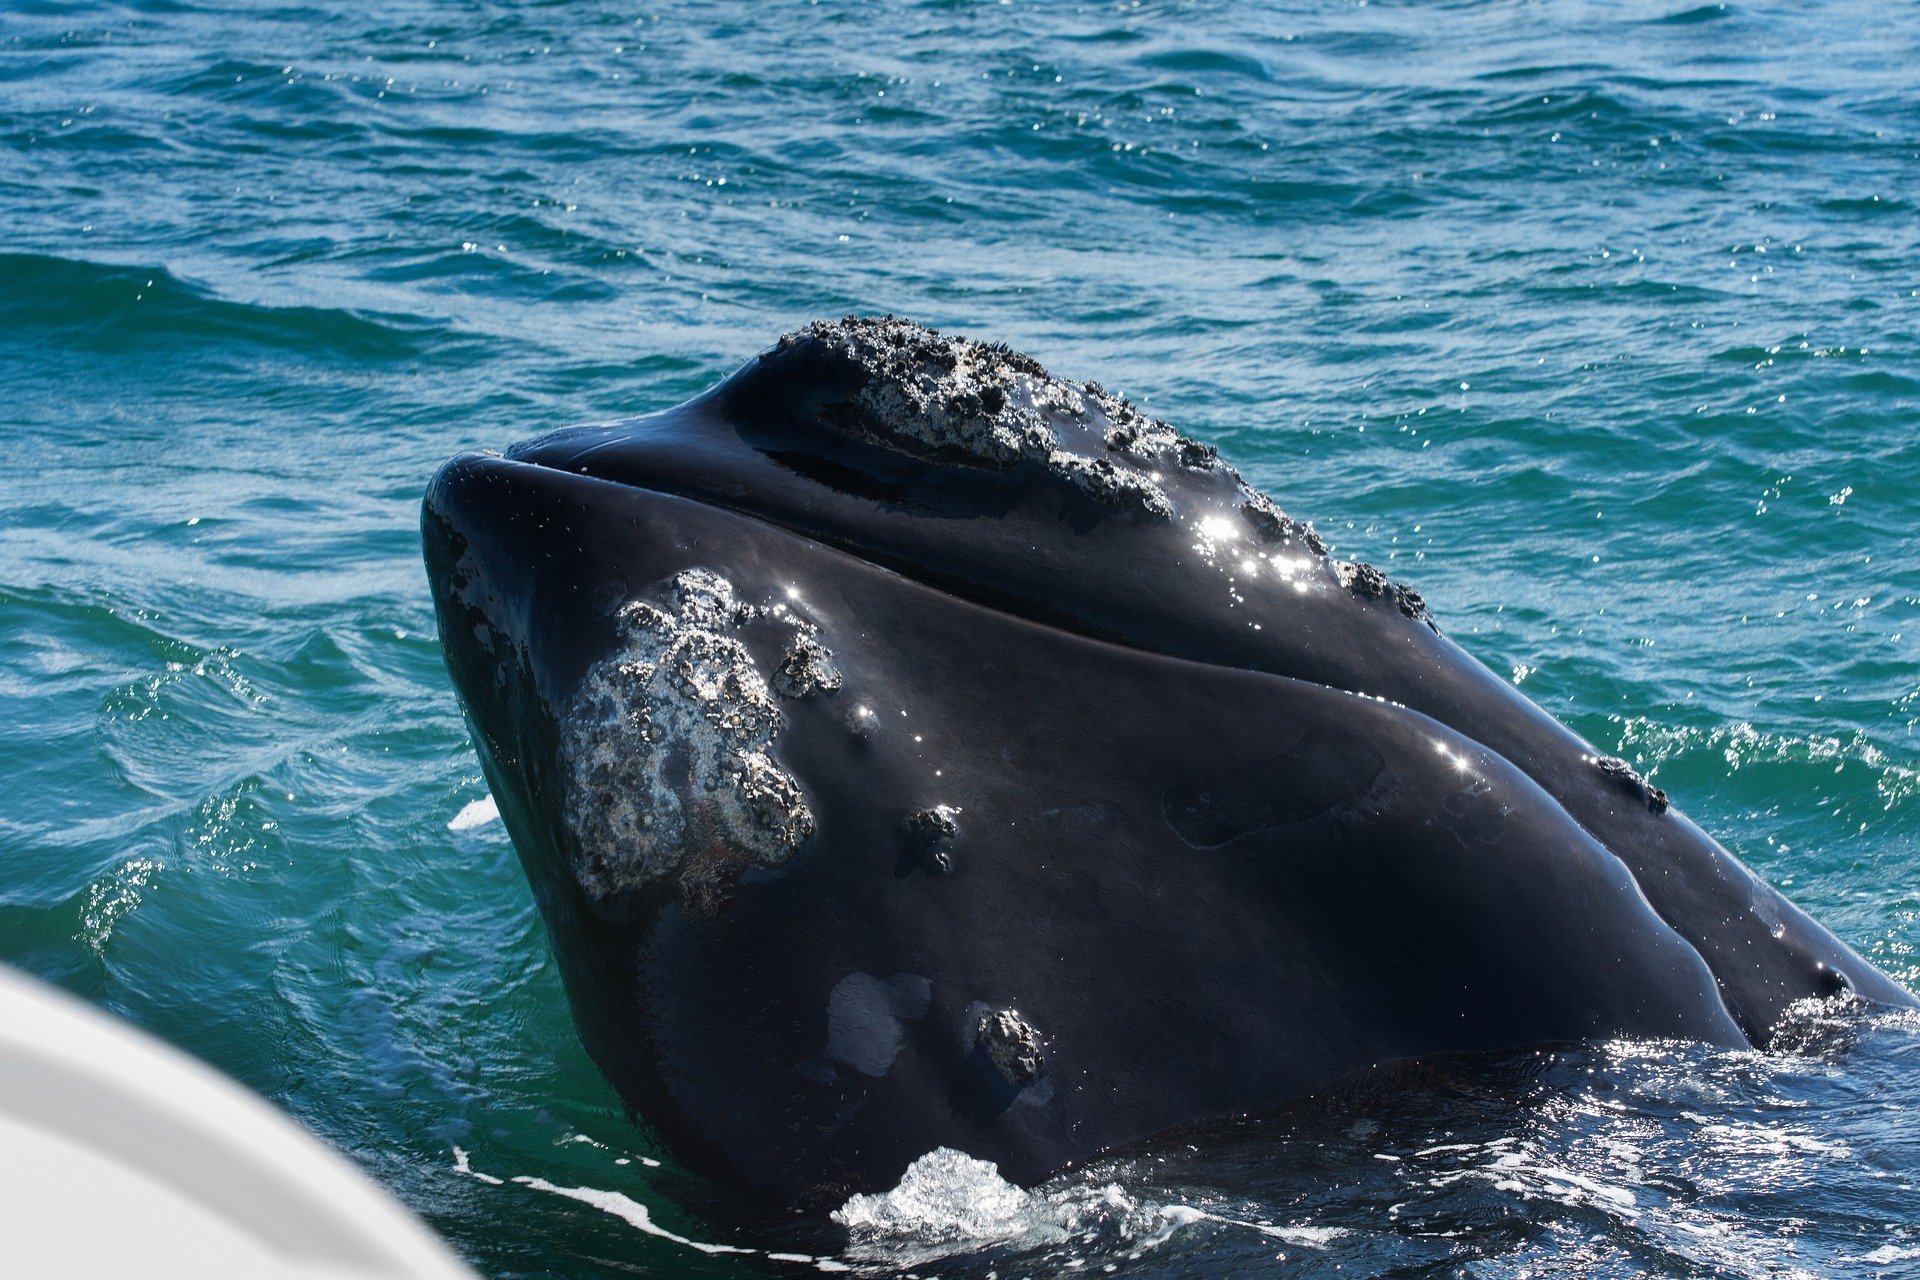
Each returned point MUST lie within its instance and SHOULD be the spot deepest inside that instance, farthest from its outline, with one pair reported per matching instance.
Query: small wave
(1695, 16)
(475, 813)
(1741, 745)
(1887, 1254)
(71, 301)
(1209, 65)
(1602, 108)
(110, 899)
(1874, 205)
(949, 1204)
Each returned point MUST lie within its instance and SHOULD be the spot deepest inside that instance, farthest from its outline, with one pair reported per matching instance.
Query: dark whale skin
(1217, 837)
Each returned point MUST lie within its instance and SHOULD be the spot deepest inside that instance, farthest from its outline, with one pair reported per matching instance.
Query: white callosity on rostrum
(668, 748)
(957, 398)
(987, 404)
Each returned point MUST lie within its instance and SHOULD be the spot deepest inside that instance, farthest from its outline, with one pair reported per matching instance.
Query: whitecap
(476, 814)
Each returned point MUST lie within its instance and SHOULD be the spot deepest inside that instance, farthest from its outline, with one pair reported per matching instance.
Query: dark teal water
(1600, 321)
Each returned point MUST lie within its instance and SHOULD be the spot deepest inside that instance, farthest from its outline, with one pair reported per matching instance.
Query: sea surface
(1598, 322)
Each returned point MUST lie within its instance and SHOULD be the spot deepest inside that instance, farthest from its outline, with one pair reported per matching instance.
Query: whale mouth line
(968, 590)
(972, 593)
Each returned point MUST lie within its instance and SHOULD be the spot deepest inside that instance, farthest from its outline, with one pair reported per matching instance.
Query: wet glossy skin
(1206, 871)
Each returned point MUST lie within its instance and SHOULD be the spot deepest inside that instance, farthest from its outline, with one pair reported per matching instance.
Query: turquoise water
(1600, 322)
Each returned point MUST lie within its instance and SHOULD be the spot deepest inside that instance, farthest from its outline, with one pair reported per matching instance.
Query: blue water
(1601, 322)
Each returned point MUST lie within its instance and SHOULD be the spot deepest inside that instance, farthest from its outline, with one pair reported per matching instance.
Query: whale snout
(484, 545)
(627, 699)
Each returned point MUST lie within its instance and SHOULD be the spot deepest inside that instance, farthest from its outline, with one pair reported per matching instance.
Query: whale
(908, 748)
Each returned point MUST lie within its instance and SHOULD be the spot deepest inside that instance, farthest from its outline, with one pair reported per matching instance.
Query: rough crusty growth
(1414, 605)
(1626, 775)
(941, 822)
(948, 397)
(1011, 1043)
(928, 830)
(1271, 524)
(1364, 580)
(806, 668)
(993, 406)
(1369, 583)
(667, 752)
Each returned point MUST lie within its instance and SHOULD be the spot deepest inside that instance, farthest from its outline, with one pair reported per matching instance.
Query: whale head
(909, 748)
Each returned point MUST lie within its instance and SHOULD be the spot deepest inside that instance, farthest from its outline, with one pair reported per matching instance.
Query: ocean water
(1599, 323)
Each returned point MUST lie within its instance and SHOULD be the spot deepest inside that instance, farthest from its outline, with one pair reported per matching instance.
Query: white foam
(462, 1165)
(948, 1203)
(477, 814)
(1887, 1253)
(1305, 1237)
(628, 1210)
(943, 1195)
(631, 1211)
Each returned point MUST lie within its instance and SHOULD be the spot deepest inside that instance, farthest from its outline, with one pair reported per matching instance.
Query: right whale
(908, 748)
